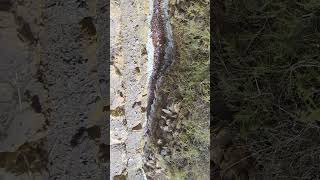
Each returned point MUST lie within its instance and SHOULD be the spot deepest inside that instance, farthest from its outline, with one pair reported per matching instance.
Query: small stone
(158, 165)
(151, 157)
(159, 142)
(176, 107)
(158, 171)
(163, 152)
(174, 116)
(151, 164)
(165, 128)
(167, 112)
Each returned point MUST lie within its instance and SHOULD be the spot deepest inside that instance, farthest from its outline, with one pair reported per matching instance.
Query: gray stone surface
(71, 76)
(128, 86)
(54, 90)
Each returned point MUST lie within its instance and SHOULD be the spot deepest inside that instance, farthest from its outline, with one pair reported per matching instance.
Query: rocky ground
(181, 147)
(179, 142)
(53, 92)
(128, 92)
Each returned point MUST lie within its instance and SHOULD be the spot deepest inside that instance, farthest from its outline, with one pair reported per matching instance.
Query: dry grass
(189, 84)
(266, 71)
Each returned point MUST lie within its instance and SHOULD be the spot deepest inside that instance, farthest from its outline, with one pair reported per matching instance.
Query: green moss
(178, 175)
(189, 84)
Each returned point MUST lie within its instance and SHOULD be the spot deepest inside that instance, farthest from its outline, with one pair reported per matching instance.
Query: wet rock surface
(178, 137)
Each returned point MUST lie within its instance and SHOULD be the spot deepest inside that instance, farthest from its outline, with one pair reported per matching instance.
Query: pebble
(167, 112)
(176, 107)
(159, 142)
(158, 165)
(151, 164)
(163, 152)
(158, 171)
(165, 128)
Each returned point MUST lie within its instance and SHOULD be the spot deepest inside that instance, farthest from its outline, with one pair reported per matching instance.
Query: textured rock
(53, 70)
(128, 86)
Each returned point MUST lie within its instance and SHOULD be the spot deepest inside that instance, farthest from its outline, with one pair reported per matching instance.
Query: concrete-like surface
(128, 91)
(53, 90)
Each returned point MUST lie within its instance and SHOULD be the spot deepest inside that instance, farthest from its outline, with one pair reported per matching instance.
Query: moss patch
(188, 83)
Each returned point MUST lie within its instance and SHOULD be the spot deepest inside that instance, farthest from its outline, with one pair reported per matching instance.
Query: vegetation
(189, 84)
(266, 68)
